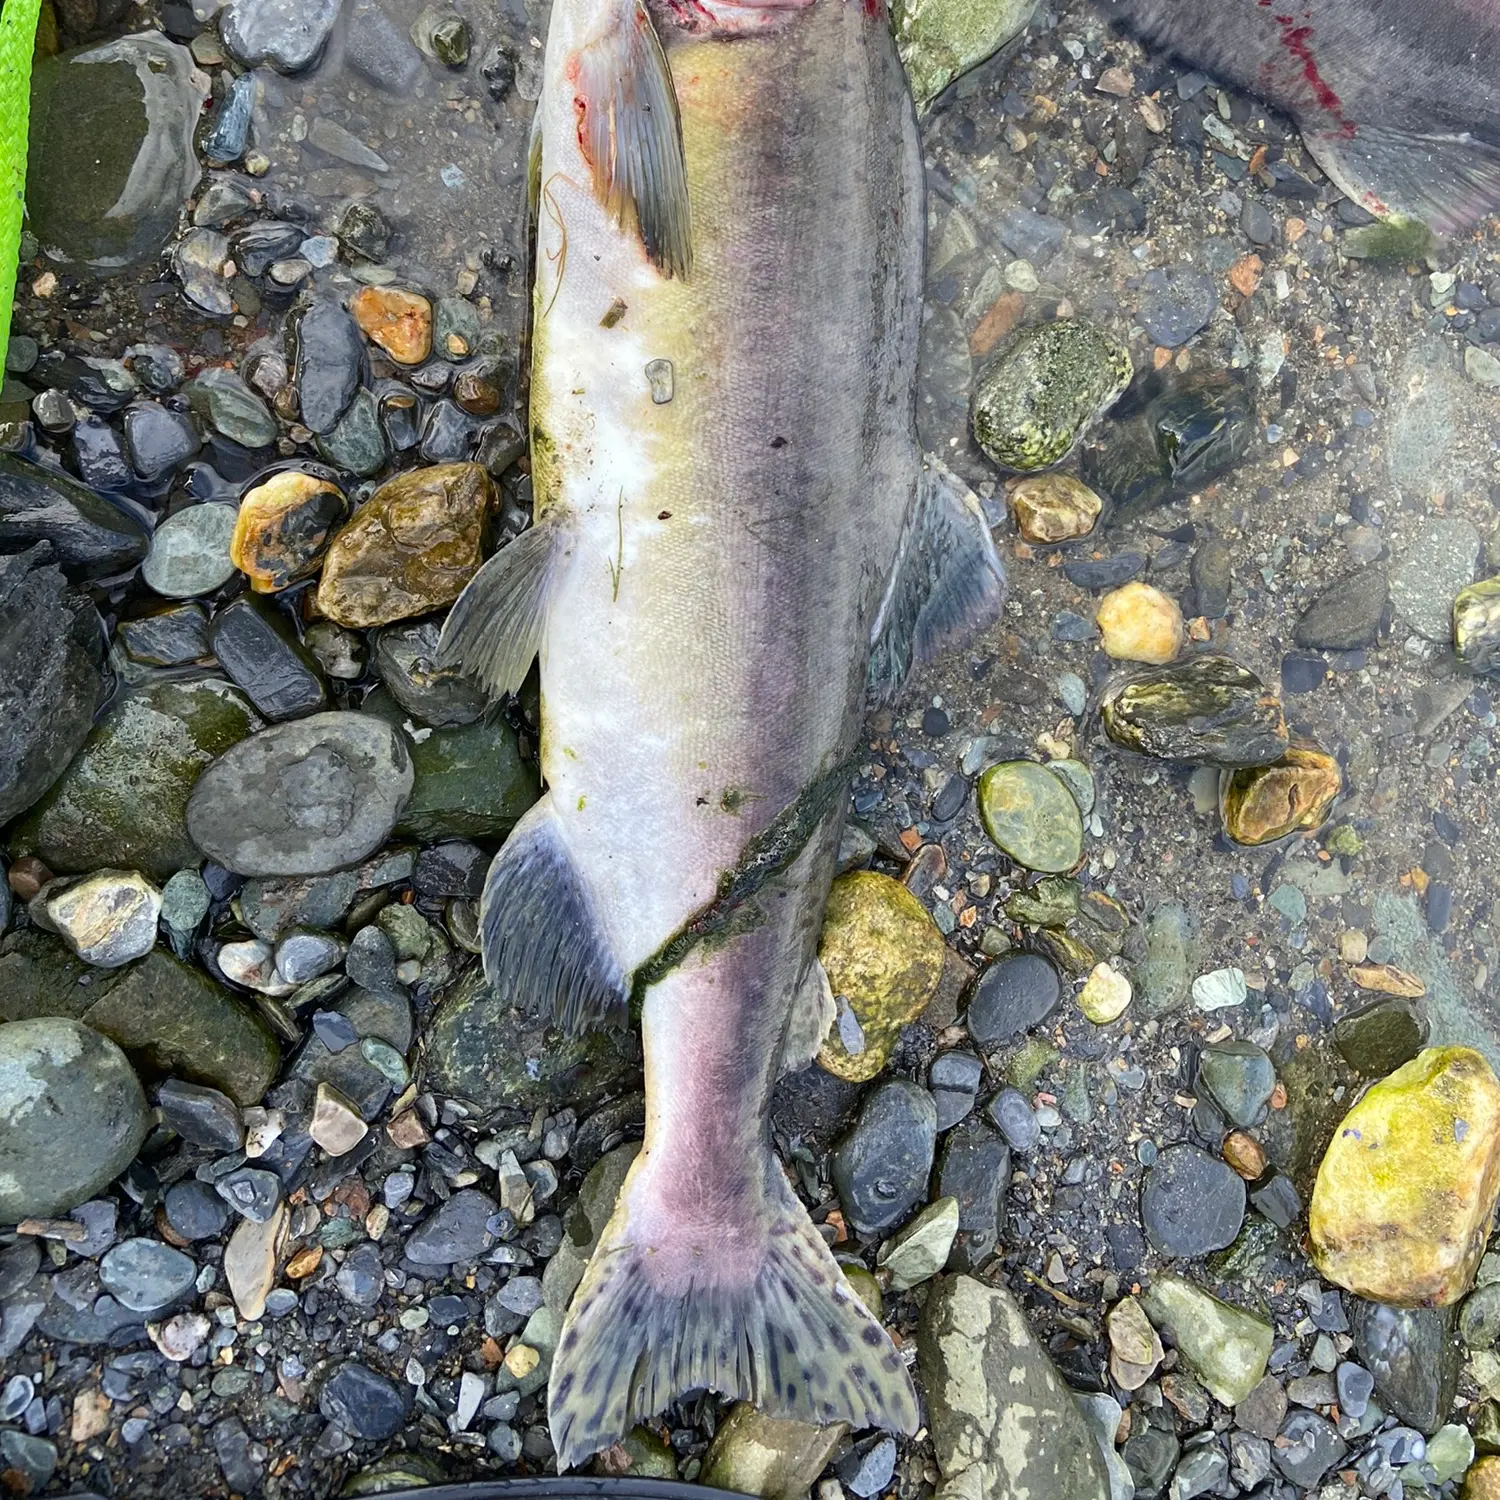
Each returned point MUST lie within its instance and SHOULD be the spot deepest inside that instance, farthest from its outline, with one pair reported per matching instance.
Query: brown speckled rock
(410, 548)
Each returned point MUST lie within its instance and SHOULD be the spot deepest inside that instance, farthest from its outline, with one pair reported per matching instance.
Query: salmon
(1398, 103)
(737, 546)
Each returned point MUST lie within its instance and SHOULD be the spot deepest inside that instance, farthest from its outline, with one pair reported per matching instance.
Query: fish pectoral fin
(947, 584)
(494, 630)
(545, 952)
(1447, 182)
(631, 133)
(754, 1307)
(812, 1018)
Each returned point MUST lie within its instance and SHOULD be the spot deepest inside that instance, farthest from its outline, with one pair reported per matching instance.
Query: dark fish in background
(1398, 100)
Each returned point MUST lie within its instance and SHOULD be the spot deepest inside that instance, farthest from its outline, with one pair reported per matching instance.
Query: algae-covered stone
(1205, 710)
(469, 781)
(940, 40)
(124, 798)
(1476, 625)
(481, 1050)
(1263, 803)
(1406, 1192)
(921, 1249)
(410, 548)
(283, 528)
(756, 1454)
(1224, 1346)
(1004, 1425)
(1038, 394)
(884, 958)
(1053, 507)
(1377, 1039)
(1032, 816)
(1482, 1482)
(111, 149)
(72, 1116)
(174, 1021)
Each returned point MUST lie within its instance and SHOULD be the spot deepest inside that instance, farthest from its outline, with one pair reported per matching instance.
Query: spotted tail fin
(757, 1311)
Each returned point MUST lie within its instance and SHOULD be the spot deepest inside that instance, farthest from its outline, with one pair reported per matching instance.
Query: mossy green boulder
(123, 800)
(884, 958)
(1406, 1192)
(1035, 398)
(940, 40)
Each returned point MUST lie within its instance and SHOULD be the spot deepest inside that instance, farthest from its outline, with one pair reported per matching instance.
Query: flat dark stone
(363, 1403)
(1191, 1203)
(881, 1167)
(1017, 991)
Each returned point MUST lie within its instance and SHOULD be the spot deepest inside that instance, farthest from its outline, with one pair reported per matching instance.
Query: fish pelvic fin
(494, 630)
(544, 949)
(758, 1311)
(631, 134)
(1447, 182)
(947, 585)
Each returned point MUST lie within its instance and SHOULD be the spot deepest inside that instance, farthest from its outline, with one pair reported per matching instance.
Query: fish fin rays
(947, 584)
(774, 1323)
(1448, 182)
(813, 1013)
(495, 629)
(631, 134)
(544, 948)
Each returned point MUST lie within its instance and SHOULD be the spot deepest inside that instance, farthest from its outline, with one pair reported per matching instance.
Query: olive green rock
(1377, 1039)
(755, 1454)
(883, 955)
(482, 1050)
(940, 40)
(921, 1249)
(1004, 1425)
(469, 780)
(1035, 398)
(1405, 1196)
(1032, 816)
(170, 1018)
(1224, 1346)
(123, 800)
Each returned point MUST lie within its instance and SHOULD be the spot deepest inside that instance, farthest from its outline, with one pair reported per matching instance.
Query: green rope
(17, 42)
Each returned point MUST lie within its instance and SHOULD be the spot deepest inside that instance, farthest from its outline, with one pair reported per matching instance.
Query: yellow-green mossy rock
(1263, 803)
(884, 957)
(1406, 1191)
(941, 39)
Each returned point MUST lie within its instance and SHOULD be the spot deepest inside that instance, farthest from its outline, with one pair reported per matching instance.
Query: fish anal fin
(494, 630)
(1447, 182)
(947, 585)
(757, 1310)
(545, 951)
(631, 133)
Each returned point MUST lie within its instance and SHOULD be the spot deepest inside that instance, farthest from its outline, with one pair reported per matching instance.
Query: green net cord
(17, 41)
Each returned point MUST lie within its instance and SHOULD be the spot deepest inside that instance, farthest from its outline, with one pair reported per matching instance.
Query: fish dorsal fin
(631, 133)
(495, 629)
(947, 583)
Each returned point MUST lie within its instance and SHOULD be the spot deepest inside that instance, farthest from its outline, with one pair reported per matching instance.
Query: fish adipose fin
(544, 950)
(762, 1314)
(494, 630)
(630, 131)
(1449, 182)
(948, 582)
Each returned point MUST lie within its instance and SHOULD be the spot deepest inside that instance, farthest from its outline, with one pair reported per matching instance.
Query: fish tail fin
(757, 1310)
